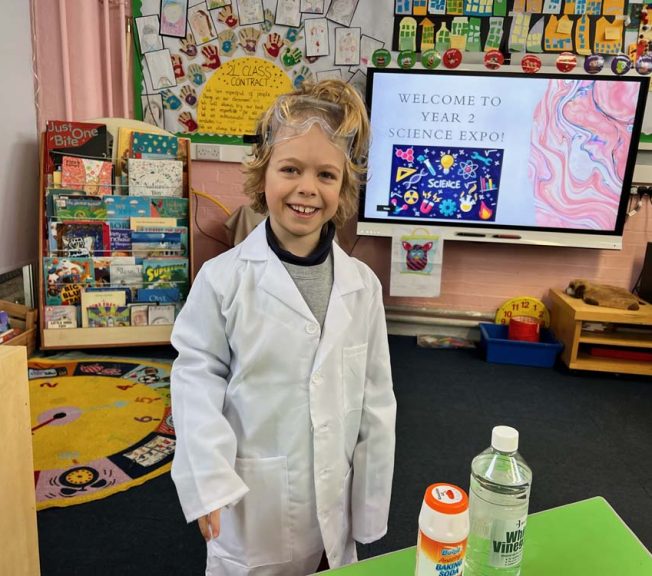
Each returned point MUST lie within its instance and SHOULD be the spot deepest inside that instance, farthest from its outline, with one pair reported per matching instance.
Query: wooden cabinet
(18, 519)
(626, 335)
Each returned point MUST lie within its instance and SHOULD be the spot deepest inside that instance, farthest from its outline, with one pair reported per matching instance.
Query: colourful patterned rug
(99, 426)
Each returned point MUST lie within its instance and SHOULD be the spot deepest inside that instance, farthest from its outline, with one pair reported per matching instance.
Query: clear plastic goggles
(294, 116)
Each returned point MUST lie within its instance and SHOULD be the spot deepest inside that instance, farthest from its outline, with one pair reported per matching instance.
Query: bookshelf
(103, 325)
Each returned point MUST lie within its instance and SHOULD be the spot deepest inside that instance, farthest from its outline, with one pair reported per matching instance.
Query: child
(281, 393)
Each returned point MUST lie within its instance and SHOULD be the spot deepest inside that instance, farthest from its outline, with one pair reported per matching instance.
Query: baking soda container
(443, 529)
(498, 506)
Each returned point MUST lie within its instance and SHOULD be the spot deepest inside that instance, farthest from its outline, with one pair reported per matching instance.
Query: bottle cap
(446, 498)
(504, 438)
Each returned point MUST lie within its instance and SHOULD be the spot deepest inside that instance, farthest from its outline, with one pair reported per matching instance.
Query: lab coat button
(323, 427)
(311, 328)
(317, 378)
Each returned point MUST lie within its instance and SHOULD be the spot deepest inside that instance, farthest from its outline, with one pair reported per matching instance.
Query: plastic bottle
(443, 529)
(498, 506)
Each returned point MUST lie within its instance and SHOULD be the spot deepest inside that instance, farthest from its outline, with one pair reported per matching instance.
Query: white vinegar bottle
(498, 504)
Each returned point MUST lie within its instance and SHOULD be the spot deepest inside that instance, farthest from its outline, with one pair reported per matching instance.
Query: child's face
(302, 188)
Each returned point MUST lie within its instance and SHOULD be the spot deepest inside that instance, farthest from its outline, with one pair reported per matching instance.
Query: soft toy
(602, 294)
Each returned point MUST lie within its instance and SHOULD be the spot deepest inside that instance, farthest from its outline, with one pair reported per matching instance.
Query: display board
(207, 68)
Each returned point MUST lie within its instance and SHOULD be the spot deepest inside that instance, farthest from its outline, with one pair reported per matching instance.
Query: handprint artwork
(228, 42)
(188, 122)
(249, 39)
(211, 58)
(273, 45)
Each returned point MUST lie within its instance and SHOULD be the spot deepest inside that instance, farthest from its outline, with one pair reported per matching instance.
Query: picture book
(120, 241)
(158, 295)
(76, 207)
(64, 138)
(155, 177)
(169, 207)
(140, 223)
(181, 230)
(52, 194)
(138, 314)
(108, 316)
(154, 146)
(65, 278)
(82, 238)
(130, 275)
(95, 177)
(120, 207)
(127, 291)
(166, 273)
(61, 316)
(123, 151)
(102, 266)
(153, 244)
(101, 298)
(161, 314)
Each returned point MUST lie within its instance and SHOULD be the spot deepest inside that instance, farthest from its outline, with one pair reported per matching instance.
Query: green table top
(586, 538)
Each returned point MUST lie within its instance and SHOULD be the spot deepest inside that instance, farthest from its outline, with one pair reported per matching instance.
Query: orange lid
(446, 498)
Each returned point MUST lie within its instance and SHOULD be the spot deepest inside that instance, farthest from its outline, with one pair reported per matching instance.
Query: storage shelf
(102, 337)
(585, 361)
(569, 314)
(619, 338)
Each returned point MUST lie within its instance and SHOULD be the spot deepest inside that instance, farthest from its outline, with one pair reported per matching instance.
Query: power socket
(206, 151)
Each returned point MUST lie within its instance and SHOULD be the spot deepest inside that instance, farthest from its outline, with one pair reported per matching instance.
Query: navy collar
(318, 255)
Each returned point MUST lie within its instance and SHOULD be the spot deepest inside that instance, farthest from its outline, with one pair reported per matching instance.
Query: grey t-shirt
(315, 284)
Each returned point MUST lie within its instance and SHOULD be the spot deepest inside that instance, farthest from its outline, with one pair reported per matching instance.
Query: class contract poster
(521, 151)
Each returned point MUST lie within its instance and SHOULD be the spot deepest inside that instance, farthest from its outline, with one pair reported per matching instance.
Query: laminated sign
(416, 262)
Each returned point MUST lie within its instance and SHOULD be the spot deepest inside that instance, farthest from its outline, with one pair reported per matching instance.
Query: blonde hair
(353, 121)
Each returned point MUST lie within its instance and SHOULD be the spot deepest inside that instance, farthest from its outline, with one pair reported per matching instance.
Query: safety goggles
(293, 116)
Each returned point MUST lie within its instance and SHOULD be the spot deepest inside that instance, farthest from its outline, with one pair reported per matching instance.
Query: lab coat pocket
(353, 379)
(354, 364)
(256, 530)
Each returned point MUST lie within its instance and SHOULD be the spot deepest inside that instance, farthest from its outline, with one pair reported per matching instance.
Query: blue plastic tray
(501, 350)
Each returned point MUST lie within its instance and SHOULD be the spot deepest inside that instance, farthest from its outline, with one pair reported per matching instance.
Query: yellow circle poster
(237, 94)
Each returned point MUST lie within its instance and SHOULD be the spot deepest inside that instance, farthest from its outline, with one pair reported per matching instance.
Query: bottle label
(507, 537)
(439, 559)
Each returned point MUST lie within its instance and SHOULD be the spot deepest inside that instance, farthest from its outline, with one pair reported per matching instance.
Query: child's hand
(209, 525)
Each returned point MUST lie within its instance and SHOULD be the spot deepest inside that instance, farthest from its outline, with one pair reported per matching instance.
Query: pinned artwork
(149, 38)
(159, 67)
(416, 263)
(251, 12)
(342, 11)
(288, 13)
(174, 18)
(316, 30)
(312, 6)
(347, 46)
(200, 23)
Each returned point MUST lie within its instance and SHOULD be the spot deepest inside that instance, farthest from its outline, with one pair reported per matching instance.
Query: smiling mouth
(303, 210)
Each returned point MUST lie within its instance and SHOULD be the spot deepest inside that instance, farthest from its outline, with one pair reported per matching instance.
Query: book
(154, 146)
(120, 241)
(140, 223)
(94, 177)
(155, 177)
(61, 316)
(181, 230)
(166, 273)
(130, 275)
(100, 298)
(123, 149)
(158, 295)
(64, 138)
(108, 316)
(102, 267)
(82, 238)
(160, 314)
(77, 207)
(66, 278)
(168, 207)
(138, 314)
(148, 244)
(9, 334)
(121, 207)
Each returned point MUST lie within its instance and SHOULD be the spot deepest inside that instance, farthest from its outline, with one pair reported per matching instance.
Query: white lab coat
(289, 426)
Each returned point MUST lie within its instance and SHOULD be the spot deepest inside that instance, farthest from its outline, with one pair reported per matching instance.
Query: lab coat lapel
(338, 316)
(275, 280)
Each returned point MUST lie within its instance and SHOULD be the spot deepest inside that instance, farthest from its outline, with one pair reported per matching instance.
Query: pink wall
(476, 277)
